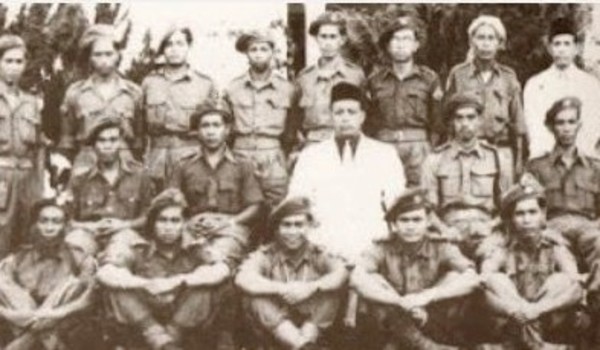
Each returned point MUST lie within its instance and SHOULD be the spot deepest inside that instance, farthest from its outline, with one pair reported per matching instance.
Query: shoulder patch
(442, 147)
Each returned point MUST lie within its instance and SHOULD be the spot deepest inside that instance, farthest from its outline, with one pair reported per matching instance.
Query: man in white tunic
(560, 80)
(349, 178)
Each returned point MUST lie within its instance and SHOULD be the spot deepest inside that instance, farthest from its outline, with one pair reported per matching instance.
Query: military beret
(562, 25)
(187, 32)
(243, 42)
(347, 91)
(100, 124)
(461, 100)
(335, 18)
(205, 109)
(526, 187)
(82, 239)
(402, 22)
(96, 32)
(168, 197)
(11, 41)
(560, 105)
(491, 21)
(410, 200)
(42, 203)
(288, 207)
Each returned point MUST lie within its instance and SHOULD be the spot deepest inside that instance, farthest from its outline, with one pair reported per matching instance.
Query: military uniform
(83, 105)
(272, 263)
(465, 186)
(20, 179)
(314, 85)
(47, 276)
(261, 128)
(168, 105)
(407, 114)
(504, 122)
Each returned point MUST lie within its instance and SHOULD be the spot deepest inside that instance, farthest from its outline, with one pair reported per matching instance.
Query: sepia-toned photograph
(266, 175)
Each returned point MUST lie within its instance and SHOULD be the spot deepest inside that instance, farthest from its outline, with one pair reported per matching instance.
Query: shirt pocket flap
(226, 184)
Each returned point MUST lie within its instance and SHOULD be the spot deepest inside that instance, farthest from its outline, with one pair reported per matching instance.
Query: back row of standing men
(347, 175)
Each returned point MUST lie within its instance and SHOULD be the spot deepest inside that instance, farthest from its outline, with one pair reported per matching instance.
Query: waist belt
(173, 141)
(321, 134)
(254, 141)
(402, 135)
(17, 163)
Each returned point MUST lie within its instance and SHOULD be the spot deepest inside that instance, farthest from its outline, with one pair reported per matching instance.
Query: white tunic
(347, 195)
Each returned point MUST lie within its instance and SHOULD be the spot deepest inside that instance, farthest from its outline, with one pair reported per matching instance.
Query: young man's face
(12, 65)
(485, 43)
(348, 117)
(528, 217)
(411, 226)
(176, 49)
(563, 49)
(213, 131)
(466, 122)
(403, 45)
(260, 55)
(51, 222)
(169, 224)
(104, 56)
(292, 231)
(330, 40)
(108, 142)
(566, 125)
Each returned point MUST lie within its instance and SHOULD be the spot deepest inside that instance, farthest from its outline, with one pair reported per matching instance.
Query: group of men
(338, 211)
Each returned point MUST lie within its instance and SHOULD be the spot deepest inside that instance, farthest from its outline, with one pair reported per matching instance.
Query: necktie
(346, 153)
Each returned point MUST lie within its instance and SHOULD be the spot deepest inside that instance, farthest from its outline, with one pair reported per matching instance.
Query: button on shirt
(412, 270)
(315, 84)
(569, 190)
(19, 123)
(40, 270)
(83, 104)
(272, 263)
(229, 188)
(473, 177)
(529, 264)
(169, 102)
(95, 198)
(549, 86)
(260, 108)
(412, 102)
(501, 95)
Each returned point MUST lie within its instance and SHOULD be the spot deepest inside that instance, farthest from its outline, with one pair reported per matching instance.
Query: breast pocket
(418, 100)
(5, 128)
(156, 108)
(278, 109)
(587, 190)
(91, 201)
(385, 99)
(27, 122)
(228, 198)
(449, 182)
(482, 181)
(498, 109)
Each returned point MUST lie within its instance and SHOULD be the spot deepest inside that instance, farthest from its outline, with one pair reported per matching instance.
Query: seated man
(405, 278)
(293, 286)
(532, 278)
(46, 287)
(167, 288)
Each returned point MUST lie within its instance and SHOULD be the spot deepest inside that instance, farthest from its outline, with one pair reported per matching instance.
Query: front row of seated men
(417, 289)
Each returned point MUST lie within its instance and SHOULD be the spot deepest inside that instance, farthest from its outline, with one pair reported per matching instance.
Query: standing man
(410, 281)
(115, 193)
(562, 79)
(104, 94)
(223, 194)
(531, 279)
(348, 177)
(465, 177)
(406, 98)
(315, 82)
(498, 88)
(20, 142)
(571, 178)
(262, 103)
(293, 286)
(171, 94)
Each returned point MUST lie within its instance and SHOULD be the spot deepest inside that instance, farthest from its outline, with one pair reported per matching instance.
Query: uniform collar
(556, 157)
(533, 244)
(123, 168)
(45, 249)
(154, 251)
(476, 68)
(271, 82)
(227, 155)
(416, 71)
(421, 249)
(295, 262)
(187, 73)
(337, 68)
(89, 84)
(569, 72)
(4, 89)
(457, 150)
